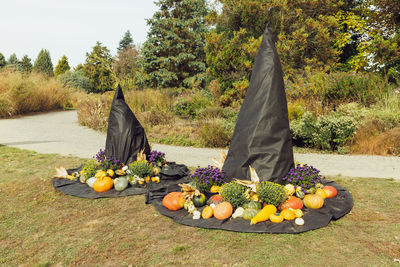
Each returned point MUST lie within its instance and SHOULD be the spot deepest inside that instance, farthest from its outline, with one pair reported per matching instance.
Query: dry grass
(377, 142)
(39, 225)
(23, 93)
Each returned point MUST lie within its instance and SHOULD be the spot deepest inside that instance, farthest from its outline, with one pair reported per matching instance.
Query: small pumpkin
(199, 201)
(292, 203)
(313, 201)
(100, 174)
(103, 184)
(298, 213)
(207, 212)
(120, 173)
(223, 210)
(320, 192)
(330, 191)
(249, 214)
(288, 215)
(215, 189)
(276, 218)
(174, 201)
(110, 173)
(215, 199)
(120, 183)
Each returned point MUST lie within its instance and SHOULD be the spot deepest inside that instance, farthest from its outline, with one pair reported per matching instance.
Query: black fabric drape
(125, 134)
(261, 137)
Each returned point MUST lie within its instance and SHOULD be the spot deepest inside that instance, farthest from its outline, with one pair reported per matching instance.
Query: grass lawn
(42, 227)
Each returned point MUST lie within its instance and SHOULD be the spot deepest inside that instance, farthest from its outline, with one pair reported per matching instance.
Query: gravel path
(60, 133)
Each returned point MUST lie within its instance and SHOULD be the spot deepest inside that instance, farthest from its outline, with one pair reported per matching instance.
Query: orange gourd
(313, 201)
(292, 203)
(330, 191)
(174, 201)
(103, 184)
(320, 192)
(223, 210)
(207, 212)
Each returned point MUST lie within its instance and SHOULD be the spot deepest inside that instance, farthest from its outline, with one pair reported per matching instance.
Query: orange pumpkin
(292, 203)
(103, 184)
(174, 201)
(330, 191)
(223, 210)
(313, 201)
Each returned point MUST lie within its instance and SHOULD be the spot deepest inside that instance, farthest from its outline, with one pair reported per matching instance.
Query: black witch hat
(125, 135)
(261, 138)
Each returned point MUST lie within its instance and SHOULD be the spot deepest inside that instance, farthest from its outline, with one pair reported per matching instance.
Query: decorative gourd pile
(104, 173)
(252, 200)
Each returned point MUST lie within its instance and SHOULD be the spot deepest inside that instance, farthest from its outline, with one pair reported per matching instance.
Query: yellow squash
(264, 214)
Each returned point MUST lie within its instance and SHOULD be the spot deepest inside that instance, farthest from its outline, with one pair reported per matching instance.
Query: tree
(98, 68)
(304, 30)
(62, 66)
(26, 64)
(13, 60)
(126, 41)
(126, 63)
(2, 60)
(173, 55)
(43, 63)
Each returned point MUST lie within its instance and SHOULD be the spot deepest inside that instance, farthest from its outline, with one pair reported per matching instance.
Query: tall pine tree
(126, 41)
(173, 55)
(43, 63)
(26, 64)
(2, 60)
(12, 60)
(62, 66)
(98, 68)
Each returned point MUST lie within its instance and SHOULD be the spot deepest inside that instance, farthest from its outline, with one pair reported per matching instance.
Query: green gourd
(252, 205)
(248, 214)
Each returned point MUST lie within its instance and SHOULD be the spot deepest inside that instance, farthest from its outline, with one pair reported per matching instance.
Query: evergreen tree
(2, 60)
(98, 68)
(43, 63)
(173, 55)
(125, 41)
(13, 60)
(126, 63)
(62, 66)
(26, 64)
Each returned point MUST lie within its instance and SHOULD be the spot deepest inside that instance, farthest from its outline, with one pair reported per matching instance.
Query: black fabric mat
(75, 188)
(333, 209)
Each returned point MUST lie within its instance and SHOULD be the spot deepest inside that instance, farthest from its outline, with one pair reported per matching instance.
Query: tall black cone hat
(125, 135)
(261, 138)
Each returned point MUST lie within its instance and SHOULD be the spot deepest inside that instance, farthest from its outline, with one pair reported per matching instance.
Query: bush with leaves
(75, 79)
(333, 130)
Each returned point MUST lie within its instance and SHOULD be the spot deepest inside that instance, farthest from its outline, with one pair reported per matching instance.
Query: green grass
(42, 227)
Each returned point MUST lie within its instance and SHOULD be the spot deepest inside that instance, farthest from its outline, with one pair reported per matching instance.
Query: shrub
(32, 92)
(271, 193)
(213, 134)
(234, 193)
(333, 130)
(296, 110)
(302, 130)
(191, 106)
(75, 79)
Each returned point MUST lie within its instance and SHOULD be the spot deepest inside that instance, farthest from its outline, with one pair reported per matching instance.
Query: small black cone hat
(125, 135)
(261, 138)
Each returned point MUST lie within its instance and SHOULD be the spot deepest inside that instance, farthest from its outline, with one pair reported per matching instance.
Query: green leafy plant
(234, 193)
(140, 168)
(271, 193)
(333, 130)
(90, 167)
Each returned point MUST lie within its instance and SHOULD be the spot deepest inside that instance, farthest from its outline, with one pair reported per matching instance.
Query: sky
(70, 27)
